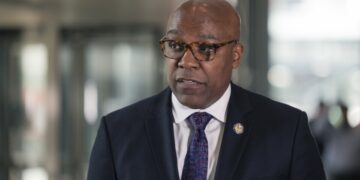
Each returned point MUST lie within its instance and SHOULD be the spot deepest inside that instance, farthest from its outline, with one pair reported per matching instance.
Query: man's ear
(238, 51)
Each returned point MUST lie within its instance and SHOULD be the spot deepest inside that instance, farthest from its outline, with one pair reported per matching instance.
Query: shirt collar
(217, 109)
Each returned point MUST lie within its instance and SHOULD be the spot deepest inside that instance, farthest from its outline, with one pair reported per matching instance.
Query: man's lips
(189, 81)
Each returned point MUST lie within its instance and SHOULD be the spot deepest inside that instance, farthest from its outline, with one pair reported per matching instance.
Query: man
(203, 126)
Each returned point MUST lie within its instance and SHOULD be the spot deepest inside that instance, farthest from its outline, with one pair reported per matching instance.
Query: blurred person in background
(203, 126)
(342, 152)
(320, 126)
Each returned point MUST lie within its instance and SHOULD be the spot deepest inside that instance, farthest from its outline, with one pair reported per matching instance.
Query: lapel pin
(238, 128)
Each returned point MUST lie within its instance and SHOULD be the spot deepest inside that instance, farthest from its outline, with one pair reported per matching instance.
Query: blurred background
(65, 63)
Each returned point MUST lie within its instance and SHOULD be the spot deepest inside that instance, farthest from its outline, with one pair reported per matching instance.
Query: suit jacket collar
(233, 144)
(161, 135)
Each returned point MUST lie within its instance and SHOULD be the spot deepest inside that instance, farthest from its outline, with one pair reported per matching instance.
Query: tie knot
(199, 120)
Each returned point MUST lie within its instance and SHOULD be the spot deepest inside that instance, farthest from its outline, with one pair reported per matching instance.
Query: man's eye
(206, 49)
(176, 45)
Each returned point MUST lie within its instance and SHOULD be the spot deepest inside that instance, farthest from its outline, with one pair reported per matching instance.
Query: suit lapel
(161, 137)
(233, 144)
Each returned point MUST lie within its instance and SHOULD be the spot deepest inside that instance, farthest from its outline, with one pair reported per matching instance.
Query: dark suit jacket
(137, 142)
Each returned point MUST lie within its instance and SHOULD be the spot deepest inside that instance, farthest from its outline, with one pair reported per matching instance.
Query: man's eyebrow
(174, 32)
(202, 36)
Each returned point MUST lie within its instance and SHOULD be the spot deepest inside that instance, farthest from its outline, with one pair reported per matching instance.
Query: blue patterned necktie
(196, 160)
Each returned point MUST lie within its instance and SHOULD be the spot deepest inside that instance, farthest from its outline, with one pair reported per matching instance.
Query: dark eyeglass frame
(193, 46)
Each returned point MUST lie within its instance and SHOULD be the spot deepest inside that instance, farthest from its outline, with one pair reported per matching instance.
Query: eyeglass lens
(175, 50)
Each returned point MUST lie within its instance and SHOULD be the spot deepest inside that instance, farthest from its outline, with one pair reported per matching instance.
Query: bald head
(219, 13)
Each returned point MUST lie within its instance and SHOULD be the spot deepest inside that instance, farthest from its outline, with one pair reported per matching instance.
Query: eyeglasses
(201, 51)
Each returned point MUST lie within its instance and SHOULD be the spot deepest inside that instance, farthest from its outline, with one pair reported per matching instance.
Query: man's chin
(191, 101)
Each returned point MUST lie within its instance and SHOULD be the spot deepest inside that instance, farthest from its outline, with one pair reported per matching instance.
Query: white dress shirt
(214, 130)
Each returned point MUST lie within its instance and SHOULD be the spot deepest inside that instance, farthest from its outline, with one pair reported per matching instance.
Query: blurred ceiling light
(90, 102)
(280, 76)
(34, 173)
(354, 116)
(34, 65)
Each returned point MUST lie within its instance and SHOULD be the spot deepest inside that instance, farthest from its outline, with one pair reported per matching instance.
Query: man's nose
(188, 60)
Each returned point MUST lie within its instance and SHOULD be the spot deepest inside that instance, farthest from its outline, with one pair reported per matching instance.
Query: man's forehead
(202, 26)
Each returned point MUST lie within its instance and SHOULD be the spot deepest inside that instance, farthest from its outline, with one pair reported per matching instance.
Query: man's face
(198, 84)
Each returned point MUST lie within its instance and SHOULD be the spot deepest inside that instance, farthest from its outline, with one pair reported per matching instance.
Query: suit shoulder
(271, 108)
(271, 113)
(138, 109)
(260, 101)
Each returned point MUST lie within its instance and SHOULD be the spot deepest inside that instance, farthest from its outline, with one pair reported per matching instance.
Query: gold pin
(238, 128)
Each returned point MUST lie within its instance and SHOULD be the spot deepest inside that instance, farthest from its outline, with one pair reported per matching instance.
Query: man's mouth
(188, 81)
